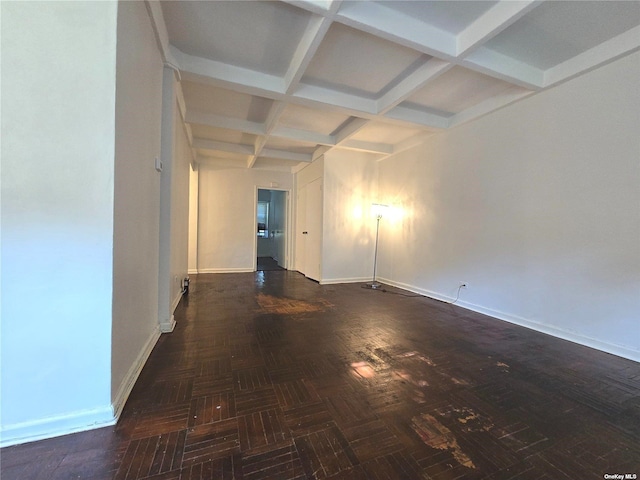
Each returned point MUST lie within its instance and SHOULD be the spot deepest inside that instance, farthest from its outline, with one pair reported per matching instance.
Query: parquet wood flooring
(272, 376)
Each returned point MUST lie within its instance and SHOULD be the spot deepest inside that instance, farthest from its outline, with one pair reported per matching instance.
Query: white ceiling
(274, 84)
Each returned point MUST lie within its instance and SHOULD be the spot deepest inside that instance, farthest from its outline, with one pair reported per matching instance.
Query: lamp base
(373, 285)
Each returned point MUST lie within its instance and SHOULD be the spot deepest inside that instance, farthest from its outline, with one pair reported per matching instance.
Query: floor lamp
(378, 210)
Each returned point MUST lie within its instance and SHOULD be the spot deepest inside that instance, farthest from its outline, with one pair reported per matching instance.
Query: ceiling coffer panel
(355, 62)
(256, 35)
(270, 84)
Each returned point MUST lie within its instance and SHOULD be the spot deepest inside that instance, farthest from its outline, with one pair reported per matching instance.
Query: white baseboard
(176, 301)
(55, 426)
(134, 372)
(331, 281)
(225, 270)
(192, 271)
(618, 350)
(169, 326)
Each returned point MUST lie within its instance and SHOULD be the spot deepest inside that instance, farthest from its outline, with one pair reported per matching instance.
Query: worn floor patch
(436, 435)
(470, 420)
(290, 306)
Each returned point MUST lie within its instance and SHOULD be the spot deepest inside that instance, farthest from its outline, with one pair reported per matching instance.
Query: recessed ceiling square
(220, 101)
(313, 120)
(275, 164)
(257, 35)
(554, 32)
(452, 16)
(358, 63)
(457, 90)
(222, 135)
(290, 145)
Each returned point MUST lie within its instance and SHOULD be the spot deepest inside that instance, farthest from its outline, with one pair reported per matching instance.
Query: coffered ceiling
(274, 84)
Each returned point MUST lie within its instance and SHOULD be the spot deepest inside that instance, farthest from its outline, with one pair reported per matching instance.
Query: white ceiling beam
(214, 145)
(229, 76)
(491, 23)
(220, 162)
(418, 117)
(411, 142)
(319, 7)
(160, 30)
(311, 95)
(408, 143)
(318, 152)
(389, 24)
(275, 112)
(302, 136)
(349, 129)
(307, 47)
(363, 146)
(489, 105)
(504, 68)
(412, 83)
(219, 121)
(623, 44)
(286, 155)
(258, 145)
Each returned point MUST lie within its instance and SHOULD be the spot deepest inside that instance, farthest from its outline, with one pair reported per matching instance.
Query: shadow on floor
(268, 263)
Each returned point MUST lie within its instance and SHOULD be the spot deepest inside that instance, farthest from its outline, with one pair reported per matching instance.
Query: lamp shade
(378, 210)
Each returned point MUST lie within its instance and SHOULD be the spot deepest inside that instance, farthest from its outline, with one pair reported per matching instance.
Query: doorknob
(304, 233)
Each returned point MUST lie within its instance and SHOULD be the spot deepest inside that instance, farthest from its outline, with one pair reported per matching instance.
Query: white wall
(193, 221)
(174, 203)
(57, 216)
(179, 209)
(303, 177)
(350, 187)
(226, 220)
(536, 207)
(137, 198)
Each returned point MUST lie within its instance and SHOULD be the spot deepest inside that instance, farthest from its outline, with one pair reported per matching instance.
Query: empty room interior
(317, 239)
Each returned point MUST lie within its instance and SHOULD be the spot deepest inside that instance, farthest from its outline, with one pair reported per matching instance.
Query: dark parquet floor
(272, 376)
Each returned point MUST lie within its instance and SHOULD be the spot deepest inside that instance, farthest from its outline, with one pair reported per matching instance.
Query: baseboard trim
(169, 326)
(332, 281)
(225, 270)
(613, 349)
(134, 372)
(192, 271)
(56, 426)
(176, 301)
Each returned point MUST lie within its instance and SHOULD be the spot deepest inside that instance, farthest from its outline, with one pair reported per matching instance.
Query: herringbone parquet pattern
(272, 376)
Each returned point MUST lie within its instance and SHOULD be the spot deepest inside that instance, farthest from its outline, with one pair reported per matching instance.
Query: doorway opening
(272, 207)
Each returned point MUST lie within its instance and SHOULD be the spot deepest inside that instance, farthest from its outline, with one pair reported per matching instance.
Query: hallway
(270, 375)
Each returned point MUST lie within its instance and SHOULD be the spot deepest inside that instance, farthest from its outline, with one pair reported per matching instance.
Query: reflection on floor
(268, 264)
(270, 375)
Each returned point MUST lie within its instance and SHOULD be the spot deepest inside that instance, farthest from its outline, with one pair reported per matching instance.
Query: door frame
(288, 247)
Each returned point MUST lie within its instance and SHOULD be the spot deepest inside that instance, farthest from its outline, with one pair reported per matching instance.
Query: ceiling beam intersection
(308, 46)
(491, 23)
(430, 70)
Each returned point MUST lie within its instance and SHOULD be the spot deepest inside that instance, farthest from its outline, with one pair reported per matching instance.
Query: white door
(313, 228)
(301, 225)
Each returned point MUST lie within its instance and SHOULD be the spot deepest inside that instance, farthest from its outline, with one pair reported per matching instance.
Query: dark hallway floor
(270, 375)
(267, 264)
